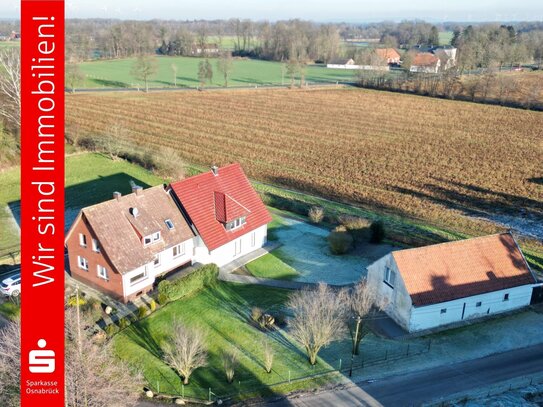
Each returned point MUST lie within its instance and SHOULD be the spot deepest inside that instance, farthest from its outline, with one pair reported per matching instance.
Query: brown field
(429, 159)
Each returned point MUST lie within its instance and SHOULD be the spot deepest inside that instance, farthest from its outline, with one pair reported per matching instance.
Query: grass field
(272, 266)
(445, 37)
(246, 72)
(223, 313)
(439, 162)
(9, 44)
(90, 178)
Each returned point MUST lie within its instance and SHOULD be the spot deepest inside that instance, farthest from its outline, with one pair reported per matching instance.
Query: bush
(280, 319)
(256, 313)
(123, 323)
(340, 240)
(152, 305)
(377, 231)
(358, 227)
(204, 276)
(111, 330)
(72, 301)
(162, 298)
(316, 214)
(142, 311)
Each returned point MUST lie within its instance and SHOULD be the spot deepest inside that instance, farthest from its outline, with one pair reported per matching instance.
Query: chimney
(215, 170)
(137, 190)
(117, 195)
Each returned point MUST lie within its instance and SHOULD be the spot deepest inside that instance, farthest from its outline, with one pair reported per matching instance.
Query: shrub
(72, 301)
(340, 240)
(162, 298)
(204, 276)
(142, 311)
(357, 226)
(256, 313)
(266, 321)
(377, 231)
(280, 319)
(111, 330)
(152, 305)
(316, 214)
(123, 323)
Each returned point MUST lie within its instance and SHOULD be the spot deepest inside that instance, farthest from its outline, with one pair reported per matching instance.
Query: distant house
(227, 214)
(436, 285)
(122, 245)
(206, 49)
(425, 62)
(345, 63)
(390, 55)
(447, 56)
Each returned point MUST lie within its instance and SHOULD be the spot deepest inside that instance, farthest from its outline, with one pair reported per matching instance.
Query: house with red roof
(227, 215)
(425, 62)
(443, 284)
(121, 246)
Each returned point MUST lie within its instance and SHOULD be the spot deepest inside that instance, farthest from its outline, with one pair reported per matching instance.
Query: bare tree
(225, 66)
(10, 85)
(174, 72)
(319, 318)
(230, 363)
(73, 76)
(292, 70)
(94, 376)
(364, 304)
(144, 68)
(268, 354)
(186, 351)
(10, 356)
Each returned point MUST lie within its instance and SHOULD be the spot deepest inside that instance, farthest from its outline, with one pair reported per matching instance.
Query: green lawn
(116, 73)
(223, 313)
(9, 44)
(90, 178)
(445, 37)
(271, 265)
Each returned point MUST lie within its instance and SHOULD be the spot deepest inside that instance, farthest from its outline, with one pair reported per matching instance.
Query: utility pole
(355, 339)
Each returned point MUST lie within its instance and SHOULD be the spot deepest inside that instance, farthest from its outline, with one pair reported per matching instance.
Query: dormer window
(155, 237)
(236, 223)
(147, 240)
(169, 224)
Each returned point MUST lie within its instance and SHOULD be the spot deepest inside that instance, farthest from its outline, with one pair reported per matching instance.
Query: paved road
(415, 388)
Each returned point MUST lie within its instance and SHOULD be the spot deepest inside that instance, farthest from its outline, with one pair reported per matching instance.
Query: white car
(11, 285)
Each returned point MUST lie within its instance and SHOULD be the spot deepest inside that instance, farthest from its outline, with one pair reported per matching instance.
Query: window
(156, 237)
(237, 247)
(179, 250)
(169, 224)
(443, 310)
(253, 239)
(390, 277)
(506, 297)
(236, 223)
(478, 304)
(82, 240)
(95, 246)
(83, 263)
(147, 240)
(102, 272)
(156, 260)
(140, 277)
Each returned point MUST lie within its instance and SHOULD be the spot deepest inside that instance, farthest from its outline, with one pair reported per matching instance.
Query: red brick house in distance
(122, 245)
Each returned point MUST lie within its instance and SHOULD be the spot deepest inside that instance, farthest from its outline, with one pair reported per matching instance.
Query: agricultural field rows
(445, 162)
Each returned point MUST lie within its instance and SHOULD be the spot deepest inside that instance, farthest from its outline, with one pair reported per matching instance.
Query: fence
(491, 390)
(326, 369)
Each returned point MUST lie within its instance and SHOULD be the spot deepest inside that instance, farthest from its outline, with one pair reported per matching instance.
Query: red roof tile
(425, 59)
(210, 200)
(448, 271)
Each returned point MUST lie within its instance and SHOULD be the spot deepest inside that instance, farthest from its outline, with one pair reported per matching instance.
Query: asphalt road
(415, 388)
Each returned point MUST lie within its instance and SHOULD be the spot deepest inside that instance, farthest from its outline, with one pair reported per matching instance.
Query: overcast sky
(318, 10)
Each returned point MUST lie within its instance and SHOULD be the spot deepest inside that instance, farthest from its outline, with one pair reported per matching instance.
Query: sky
(317, 10)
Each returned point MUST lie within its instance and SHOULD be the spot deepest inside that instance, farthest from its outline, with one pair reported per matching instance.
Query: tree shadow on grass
(110, 84)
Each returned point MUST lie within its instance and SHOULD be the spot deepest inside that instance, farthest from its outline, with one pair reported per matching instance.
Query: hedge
(200, 278)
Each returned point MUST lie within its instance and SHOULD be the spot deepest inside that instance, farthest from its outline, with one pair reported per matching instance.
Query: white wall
(167, 263)
(362, 67)
(430, 316)
(225, 254)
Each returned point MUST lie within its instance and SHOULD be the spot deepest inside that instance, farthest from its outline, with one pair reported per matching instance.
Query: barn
(442, 284)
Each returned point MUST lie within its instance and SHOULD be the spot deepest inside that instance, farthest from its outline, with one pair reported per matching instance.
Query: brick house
(425, 62)
(390, 55)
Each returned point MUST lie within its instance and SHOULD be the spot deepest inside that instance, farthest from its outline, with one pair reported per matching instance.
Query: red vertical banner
(42, 203)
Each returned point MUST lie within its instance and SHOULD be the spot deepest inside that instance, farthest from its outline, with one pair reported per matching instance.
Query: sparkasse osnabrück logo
(42, 360)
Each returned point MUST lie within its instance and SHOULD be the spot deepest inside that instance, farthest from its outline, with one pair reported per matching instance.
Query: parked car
(11, 286)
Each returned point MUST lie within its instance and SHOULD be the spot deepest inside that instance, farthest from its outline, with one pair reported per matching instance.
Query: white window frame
(156, 237)
(95, 245)
(253, 239)
(82, 240)
(149, 242)
(390, 277)
(83, 263)
(156, 263)
(237, 247)
(144, 275)
(181, 251)
(102, 272)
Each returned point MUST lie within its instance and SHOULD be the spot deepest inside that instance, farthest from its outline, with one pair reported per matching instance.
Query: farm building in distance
(206, 49)
(425, 62)
(345, 63)
(122, 245)
(437, 285)
(390, 55)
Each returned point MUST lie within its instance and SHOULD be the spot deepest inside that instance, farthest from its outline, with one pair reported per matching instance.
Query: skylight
(169, 224)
